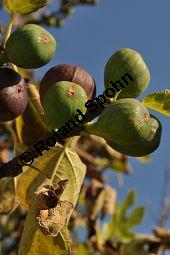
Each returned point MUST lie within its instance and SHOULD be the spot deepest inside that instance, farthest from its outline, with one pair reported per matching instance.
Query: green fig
(125, 122)
(31, 46)
(127, 71)
(144, 147)
(61, 102)
(13, 94)
(68, 72)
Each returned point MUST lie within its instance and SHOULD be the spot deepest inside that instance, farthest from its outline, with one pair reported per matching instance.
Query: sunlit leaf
(128, 201)
(136, 216)
(144, 159)
(23, 6)
(25, 73)
(57, 164)
(159, 102)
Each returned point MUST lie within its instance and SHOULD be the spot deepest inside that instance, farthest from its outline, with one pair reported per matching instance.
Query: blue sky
(90, 37)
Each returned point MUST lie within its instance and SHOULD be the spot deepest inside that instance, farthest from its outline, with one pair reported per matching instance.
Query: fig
(62, 102)
(13, 94)
(29, 47)
(144, 147)
(127, 71)
(125, 122)
(68, 72)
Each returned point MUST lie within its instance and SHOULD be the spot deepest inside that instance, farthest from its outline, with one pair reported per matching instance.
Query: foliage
(44, 205)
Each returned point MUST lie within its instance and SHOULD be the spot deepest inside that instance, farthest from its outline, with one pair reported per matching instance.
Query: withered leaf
(48, 196)
(59, 163)
(109, 201)
(52, 220)
(52, 213)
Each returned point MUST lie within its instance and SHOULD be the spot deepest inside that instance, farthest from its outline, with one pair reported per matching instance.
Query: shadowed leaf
(8, 199)
(31, 124)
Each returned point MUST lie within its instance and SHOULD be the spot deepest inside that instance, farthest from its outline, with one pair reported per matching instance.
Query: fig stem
(116, 95)
(8, 29)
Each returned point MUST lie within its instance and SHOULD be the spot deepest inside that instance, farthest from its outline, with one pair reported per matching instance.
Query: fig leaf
(159, 101)
(59, 163)
(23, 7)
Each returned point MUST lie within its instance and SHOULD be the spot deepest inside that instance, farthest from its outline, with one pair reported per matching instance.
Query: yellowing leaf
(23, 6)
(51, 211)
(59, 163)
(159, 102)
(25, 73)
(144, 159)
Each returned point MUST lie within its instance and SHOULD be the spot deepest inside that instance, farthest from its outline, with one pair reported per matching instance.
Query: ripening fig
(127, 71)
(125, 122)
(31, 46)
(144, 147)
(68, 72)
(13, 94)
(61, 102)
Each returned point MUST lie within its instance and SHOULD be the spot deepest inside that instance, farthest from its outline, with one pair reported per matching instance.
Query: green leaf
(128, 202)
(159, 102)
(136, 216)
(23, 6)
(8, 199)
(120, 226)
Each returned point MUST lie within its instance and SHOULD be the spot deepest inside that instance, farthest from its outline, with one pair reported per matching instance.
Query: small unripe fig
(61, 102)
(31, 46)
(13, 94)
(68, 72)
(125, 122)
(144, 147)
(127, 71)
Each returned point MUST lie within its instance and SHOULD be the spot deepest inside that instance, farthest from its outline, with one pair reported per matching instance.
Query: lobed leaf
(59, 163)
(23, 6)
(159, 102)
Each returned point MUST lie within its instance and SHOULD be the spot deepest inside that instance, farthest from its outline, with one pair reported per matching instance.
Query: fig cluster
(126, 124)
(128, 128)
(68, 91)
(64, 90)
